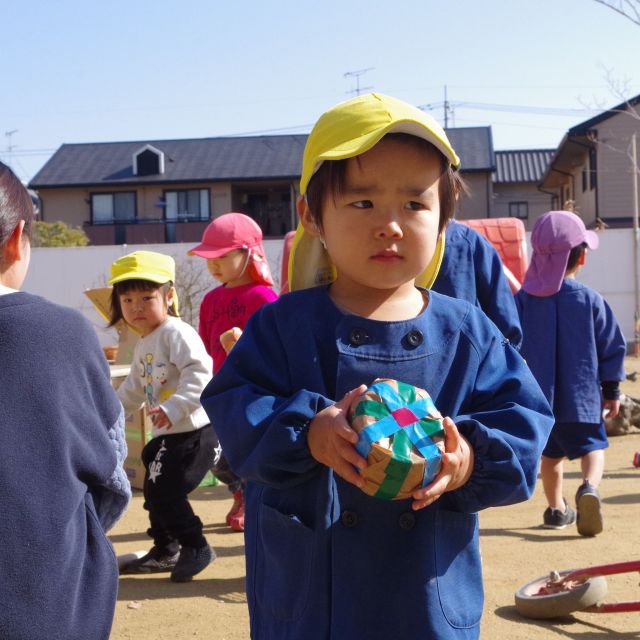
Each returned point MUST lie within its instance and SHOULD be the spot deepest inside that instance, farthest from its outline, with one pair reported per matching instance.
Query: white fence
(62, 274)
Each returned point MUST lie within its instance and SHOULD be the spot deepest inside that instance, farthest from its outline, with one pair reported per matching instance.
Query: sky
(150, 70)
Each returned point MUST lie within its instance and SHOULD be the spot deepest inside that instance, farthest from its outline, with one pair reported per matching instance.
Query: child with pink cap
(232, 246)
(575, 349)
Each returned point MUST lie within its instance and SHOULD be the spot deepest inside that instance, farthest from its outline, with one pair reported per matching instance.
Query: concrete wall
(62, 274)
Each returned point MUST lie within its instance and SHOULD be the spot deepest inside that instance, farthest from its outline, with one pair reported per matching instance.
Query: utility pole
(10, 146)
(636, 240)
(356, 74)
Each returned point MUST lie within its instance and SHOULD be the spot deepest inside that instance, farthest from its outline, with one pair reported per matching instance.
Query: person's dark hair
(330, 180)
(15, 205)
(135, 284)
(575, 255)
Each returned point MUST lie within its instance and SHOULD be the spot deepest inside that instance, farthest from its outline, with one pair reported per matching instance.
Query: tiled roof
(204, 159)
(522, 165)
(275, 157)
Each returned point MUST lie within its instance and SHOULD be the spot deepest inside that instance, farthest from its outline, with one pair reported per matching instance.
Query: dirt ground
(515, 550)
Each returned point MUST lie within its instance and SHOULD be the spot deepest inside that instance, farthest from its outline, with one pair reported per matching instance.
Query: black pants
(221, 470)
(175, 465)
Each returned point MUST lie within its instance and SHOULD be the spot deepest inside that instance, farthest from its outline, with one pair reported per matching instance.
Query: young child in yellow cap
(324, 559)
(169, 370)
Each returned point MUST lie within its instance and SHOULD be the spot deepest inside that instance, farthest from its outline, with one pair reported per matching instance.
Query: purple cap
(554, 235)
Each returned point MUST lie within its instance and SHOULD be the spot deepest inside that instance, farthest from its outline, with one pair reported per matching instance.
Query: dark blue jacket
(325, 560)
(472, 270)
(572, 343)
(58, 436)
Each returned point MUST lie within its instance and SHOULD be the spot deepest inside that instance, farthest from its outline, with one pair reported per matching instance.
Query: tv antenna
(356, 74)
(10, 147)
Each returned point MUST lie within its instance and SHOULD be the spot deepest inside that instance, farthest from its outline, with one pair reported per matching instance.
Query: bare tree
(630, 9)
(192, 282)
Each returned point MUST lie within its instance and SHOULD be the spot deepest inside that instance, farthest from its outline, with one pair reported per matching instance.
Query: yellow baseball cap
(355, 126)
(345, 131)
(144, 265)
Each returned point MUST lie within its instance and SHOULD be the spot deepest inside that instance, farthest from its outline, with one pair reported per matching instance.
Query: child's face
(146, 310)
(381, 232)
(230, 269)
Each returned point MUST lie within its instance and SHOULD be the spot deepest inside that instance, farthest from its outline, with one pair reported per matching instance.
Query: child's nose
(389, 227)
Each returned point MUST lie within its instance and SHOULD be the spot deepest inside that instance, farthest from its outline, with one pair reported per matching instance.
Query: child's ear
(583, 258)
(14, 246)
(306, 219)
(170, 296)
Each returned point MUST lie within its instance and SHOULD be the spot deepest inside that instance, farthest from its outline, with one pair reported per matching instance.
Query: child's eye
(362, 204)
(415, 206)
(147, 298)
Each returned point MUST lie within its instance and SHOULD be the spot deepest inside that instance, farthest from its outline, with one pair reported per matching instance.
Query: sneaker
(191, 562)
(235, 517)
(589, 509)
(155, 561)
(556, 519)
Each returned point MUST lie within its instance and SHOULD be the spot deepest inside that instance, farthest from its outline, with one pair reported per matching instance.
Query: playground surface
(515, 550)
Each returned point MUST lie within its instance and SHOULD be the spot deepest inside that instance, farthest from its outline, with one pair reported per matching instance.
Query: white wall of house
(62, 274)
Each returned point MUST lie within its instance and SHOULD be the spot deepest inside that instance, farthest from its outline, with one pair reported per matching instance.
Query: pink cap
(236, 231)
(554, 235)
(226, 233)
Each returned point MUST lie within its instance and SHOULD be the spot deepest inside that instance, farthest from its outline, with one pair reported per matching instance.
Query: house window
(519, 210)
(593, 168)
(585, 180)
(187, 204)
(107, 208)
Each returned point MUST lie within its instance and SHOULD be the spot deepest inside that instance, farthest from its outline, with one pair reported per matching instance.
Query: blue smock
(325, 560)
(572, 343)
(472, 270)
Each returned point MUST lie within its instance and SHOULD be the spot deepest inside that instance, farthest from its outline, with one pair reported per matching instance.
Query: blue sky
(140, 70)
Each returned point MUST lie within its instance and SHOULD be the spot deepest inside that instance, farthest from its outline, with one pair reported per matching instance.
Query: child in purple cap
(232, 246)
(575, 349)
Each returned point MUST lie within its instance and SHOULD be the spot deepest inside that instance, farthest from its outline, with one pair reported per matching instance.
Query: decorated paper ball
(401, 436)
(636, 459)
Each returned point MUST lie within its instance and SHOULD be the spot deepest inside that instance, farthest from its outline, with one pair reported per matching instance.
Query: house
(158, 191)
(592, 168)
(167, 190)
(515, 185)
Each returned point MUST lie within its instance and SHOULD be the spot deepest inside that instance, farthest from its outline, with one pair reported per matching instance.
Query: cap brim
(152, 277)
(592, 239)
(363, 143)
(207, 251)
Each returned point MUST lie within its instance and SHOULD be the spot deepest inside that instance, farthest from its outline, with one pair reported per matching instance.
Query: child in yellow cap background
(170, 367)
(324, 559)
(232, 247)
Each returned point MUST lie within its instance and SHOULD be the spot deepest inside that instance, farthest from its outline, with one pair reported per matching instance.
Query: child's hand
(457, 465)
(331, 439)
(611, 408)
(159, 418)
(229, 338)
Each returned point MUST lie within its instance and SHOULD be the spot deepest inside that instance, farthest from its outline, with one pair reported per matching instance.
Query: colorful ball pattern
(636, 459)
(401, 436)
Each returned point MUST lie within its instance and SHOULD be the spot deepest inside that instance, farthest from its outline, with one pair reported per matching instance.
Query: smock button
(349, 519)
(407, 521)
(415, 338)
(358, 336)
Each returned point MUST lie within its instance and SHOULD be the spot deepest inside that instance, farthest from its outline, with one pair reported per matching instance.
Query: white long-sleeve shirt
(169, 369)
